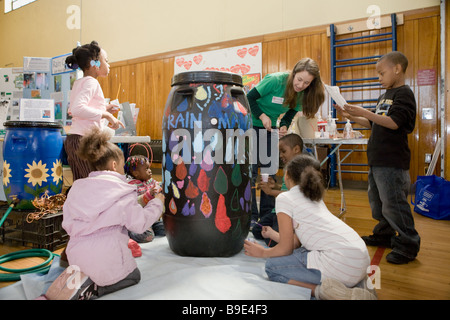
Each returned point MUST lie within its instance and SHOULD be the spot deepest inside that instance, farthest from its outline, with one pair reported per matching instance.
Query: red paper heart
(235, 69)
(180, 61)
(198, 59)
(242, 52)
(187, 65)
(253, 51)
(245, 68)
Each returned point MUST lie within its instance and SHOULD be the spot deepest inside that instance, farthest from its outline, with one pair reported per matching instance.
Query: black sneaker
(397, 258)
(377, 241)
(89, 291)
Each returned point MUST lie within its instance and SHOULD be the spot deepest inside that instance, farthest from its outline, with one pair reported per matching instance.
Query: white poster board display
(59, 64)
(244, 60)
(11, 90)
(4, 108)
(36, 64)
(37, 110)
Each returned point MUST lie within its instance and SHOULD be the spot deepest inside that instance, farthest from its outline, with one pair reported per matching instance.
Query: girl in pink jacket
(87, 102)
(98, 213)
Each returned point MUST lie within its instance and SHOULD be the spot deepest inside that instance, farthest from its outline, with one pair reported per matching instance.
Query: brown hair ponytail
(96, 149)
(303, 170)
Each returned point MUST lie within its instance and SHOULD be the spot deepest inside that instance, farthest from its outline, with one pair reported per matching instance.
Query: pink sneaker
(70, 285)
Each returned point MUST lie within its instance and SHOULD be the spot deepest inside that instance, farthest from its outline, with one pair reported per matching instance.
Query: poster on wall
(59, 64)
(11, 91)
(244, 60)
(49, 79)
(37, 110)
(36, 64)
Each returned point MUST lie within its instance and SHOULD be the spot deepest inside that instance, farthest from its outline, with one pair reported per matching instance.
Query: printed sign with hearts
(241, 60)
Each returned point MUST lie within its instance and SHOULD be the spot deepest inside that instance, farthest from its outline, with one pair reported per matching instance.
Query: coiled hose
(14, 274)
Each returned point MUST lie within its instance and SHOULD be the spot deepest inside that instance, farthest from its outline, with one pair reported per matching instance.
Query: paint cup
(207, 189)
(264, 177)
(115, 112)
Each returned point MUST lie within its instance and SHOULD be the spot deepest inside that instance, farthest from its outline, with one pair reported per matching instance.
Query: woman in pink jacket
(98, 213)
(87, 102)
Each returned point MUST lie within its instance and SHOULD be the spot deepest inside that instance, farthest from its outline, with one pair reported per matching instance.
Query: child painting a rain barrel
(32, 161)
(206, 164)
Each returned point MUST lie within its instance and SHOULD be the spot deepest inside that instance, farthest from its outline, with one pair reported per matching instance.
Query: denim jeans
(388, 198)
(266, 202)
(292, 267)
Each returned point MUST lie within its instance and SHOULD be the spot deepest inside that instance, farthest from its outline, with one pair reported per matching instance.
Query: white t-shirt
(335, 248)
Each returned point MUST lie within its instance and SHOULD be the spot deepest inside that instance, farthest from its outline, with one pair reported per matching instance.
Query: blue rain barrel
(206, 166)
(32, 165)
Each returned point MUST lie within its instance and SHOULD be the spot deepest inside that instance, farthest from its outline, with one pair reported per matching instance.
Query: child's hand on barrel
(160, 196)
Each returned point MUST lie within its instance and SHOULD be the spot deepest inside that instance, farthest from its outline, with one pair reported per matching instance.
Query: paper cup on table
(116, 111)
(264, 177)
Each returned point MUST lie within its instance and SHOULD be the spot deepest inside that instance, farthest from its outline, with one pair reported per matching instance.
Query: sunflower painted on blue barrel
(206, 164)
(32, 165)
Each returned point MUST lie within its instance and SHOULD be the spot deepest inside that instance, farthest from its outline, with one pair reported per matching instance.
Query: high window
(11, 5)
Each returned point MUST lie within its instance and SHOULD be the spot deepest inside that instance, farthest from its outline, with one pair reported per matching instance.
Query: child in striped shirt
(315, 250)
(138, 168)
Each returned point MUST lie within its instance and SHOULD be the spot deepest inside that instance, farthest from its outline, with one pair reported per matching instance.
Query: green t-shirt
(272, 89)
(283, 186)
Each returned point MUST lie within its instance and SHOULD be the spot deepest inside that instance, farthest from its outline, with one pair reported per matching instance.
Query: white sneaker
(331, 289)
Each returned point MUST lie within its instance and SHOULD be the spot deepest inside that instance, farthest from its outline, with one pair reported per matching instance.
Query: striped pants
(80, 168)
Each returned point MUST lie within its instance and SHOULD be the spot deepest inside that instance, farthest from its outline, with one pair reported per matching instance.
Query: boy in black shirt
(389, 157)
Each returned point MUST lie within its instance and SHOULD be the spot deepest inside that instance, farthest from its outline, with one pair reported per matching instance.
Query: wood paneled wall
(147, 81)
(447, 91)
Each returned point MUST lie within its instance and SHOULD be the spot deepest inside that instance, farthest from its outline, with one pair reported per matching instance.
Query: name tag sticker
(278, 100)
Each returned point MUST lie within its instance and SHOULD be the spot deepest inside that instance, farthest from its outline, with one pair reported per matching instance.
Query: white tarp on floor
(167, 276)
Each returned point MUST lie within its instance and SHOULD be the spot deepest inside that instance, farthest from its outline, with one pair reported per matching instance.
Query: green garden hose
(11, 206)
(14, 274)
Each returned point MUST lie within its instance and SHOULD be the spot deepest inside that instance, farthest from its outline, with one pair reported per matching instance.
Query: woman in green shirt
(282, 93)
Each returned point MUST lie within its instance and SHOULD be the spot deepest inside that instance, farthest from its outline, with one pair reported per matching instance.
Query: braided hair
(132, 163)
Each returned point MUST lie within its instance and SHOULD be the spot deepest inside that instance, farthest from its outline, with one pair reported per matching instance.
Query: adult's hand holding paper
(335, 93)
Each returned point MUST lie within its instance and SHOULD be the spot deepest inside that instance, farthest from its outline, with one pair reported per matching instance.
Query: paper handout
(335, 93)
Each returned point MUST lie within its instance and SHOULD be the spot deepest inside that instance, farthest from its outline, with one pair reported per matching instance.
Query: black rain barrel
(32, 163)
(206, 166)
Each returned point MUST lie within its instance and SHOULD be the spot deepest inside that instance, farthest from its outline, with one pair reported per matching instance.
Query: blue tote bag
(432, 197)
